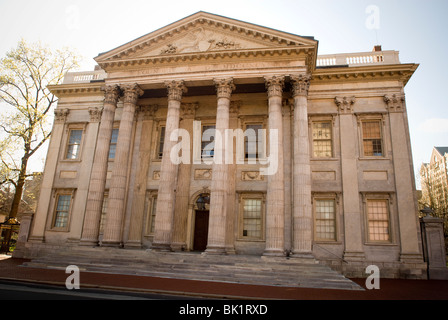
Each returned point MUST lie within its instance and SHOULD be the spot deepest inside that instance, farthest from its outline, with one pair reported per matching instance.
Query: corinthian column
(117, 191)
(275, 198)
(99, 170)
(302, 210)
(167, 187)
(220, 180)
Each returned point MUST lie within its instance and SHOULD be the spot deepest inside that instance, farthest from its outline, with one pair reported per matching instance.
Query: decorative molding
(345, 104)
(251, 176)
(60, 115)
(95, 114)
(224, 87)
(188, 110)
(300, 84)
(275, 85)
(235, 107)
(156, 175)
(203, 174)
(111, 94)
(394, 102)
(176, 89)
(148, 111)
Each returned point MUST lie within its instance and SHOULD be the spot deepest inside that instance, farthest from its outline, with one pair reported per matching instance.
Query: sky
(417, 29)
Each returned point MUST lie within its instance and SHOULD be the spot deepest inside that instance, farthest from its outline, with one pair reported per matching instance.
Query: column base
(178, 247)
(274, 253)
(162, 247)
(111, 244)
(88, 243)
(301, 255)
(215, 250)
(133, 245)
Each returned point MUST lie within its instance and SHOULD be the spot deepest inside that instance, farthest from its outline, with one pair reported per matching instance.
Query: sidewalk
(10, 269)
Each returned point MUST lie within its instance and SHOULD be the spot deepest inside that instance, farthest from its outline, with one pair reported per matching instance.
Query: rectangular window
(74, 144)
(325, 220)
(252, 218)
(371, 138)
(62, 211)
(253, 143)
(378, 220)
(322, 139)
(161, 143)
(208, 141)
(113, 144)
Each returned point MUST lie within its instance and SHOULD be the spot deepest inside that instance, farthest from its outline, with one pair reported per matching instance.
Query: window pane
(161, 142)
(378, 217)
(74, 144)
(62, 210)
(325, 220)
(371, 131)
(113, 144)
(208, 141)
(252, 219)
(253, 141)
(322, 140)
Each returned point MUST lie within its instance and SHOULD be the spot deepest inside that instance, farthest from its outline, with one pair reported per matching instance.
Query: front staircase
(244, 269)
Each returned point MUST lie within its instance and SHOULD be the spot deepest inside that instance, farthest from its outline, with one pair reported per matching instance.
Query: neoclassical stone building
(332, 128)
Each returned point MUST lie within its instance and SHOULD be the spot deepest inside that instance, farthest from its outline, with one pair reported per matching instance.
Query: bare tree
(26, 105)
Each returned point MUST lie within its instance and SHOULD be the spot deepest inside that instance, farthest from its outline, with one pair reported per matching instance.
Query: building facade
(434, 184)
(217, 135)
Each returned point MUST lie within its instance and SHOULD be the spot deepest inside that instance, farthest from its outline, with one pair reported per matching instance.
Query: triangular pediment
(204, 33)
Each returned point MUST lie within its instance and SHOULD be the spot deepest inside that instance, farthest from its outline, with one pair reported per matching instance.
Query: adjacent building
(217, 135)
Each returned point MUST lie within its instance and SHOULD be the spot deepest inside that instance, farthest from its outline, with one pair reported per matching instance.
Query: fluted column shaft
(167, 186)
(302, 210)
(220, 180)
(275, 198)
(99, 170)
(117, 191)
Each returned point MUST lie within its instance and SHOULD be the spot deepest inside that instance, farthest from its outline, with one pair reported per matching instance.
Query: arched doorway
(202, 213)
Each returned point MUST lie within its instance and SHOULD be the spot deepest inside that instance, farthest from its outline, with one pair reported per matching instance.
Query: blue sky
(415, 28)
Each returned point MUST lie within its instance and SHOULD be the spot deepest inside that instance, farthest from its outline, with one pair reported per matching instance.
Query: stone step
(273, 271)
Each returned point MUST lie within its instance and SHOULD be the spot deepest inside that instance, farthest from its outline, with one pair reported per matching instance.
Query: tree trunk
(19, 188)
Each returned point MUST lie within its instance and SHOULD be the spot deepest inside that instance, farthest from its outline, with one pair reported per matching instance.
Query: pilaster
(144, 158)
(349, 171)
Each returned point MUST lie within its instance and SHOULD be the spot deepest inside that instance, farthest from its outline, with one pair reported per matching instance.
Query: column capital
(345, 104)
(188, 110)
(175, 89)
(112, 94)
(224, 87)
(300, 84)
(131, 93)
(148, 111)
(275, 85)
(95, 114)
(60, 115)
(394, 102)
